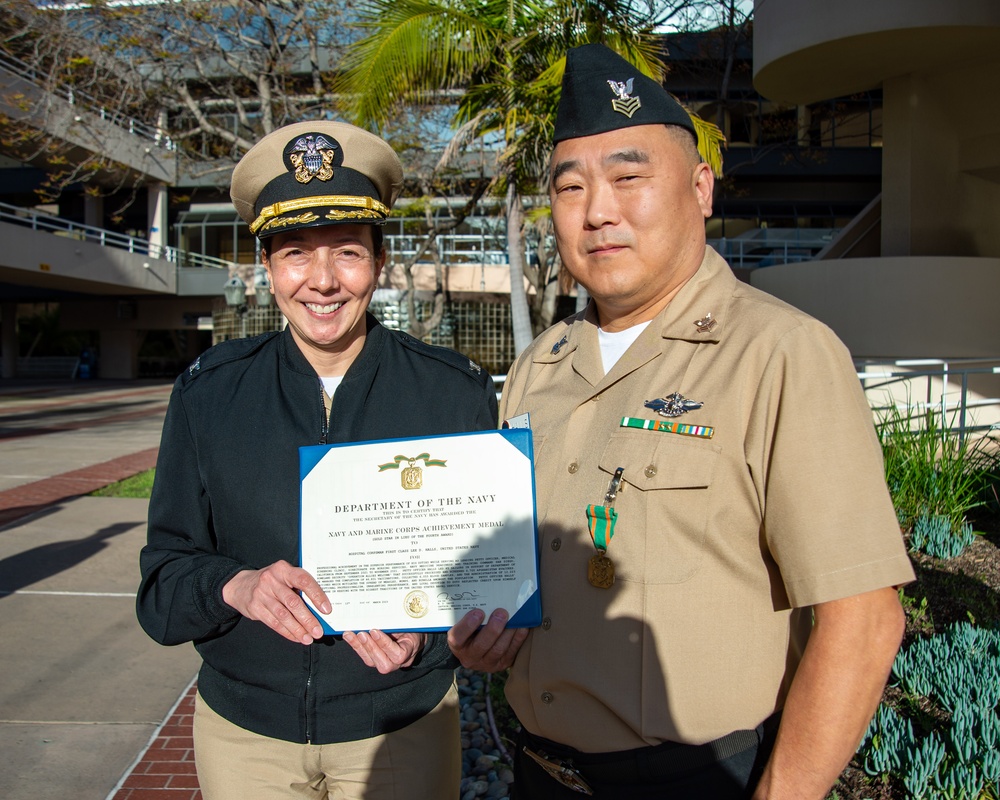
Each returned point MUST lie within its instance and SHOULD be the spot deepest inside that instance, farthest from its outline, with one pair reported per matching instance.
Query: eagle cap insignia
(312, 157)
(673, 405)
(623, 102)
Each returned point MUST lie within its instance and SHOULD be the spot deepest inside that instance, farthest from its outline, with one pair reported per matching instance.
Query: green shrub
(930, 471)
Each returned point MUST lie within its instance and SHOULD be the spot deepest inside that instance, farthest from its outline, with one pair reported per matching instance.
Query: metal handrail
(74, 97)
(770, 250)
(452, 248)
(948, 371)
(476, 249)
(39, 221)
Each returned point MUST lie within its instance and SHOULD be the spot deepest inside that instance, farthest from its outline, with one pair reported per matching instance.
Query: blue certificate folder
(411, 534)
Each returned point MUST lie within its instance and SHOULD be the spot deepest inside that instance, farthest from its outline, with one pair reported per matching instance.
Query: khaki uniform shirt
(721, 543)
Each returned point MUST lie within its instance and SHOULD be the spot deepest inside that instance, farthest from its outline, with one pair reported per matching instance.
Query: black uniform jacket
(226, 497)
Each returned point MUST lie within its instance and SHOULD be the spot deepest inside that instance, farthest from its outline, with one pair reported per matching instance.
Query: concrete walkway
(90, 708)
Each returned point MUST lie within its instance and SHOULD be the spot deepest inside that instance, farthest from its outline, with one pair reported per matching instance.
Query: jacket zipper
(309, 681)
(324, 432)
(322, 404)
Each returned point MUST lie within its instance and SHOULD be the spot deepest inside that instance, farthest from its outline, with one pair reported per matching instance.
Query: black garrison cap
(315, 173)
(602, 92)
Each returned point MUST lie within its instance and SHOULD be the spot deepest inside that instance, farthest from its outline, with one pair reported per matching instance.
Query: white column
(157, 204)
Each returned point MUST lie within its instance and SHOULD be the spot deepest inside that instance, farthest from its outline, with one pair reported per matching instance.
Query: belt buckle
(561, 771)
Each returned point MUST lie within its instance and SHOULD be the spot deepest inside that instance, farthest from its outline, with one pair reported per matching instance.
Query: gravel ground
(485, 773)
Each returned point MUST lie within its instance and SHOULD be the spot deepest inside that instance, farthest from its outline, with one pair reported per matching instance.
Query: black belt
(574, 769)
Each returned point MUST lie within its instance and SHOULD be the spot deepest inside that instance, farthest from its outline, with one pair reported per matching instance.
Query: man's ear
(704, 186)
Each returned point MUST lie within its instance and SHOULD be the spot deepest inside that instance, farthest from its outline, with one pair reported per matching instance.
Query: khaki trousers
(423, 761)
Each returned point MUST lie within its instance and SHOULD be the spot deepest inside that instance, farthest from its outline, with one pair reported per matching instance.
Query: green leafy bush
(930, 471)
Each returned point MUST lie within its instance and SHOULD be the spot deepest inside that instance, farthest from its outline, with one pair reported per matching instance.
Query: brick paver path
(33, 497)
(165, 771)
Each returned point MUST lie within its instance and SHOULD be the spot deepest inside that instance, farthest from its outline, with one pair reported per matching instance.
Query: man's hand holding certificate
(411, 534)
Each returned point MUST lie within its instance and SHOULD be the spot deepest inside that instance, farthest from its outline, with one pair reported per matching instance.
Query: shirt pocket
(663, 510)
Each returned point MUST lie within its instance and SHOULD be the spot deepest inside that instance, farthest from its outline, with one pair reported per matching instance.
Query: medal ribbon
(601, 521)
(425, 457)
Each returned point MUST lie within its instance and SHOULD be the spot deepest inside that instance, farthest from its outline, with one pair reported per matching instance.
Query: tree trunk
(520, 317)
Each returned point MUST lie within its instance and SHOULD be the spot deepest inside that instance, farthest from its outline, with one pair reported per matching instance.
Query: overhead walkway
(119, 285)
(82, 125)
(56, 254)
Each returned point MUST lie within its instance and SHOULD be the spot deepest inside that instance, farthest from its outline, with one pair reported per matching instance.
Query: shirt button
(546, 624)
(573, 468)
(556, 544)
(596, 397)
(650, 470)
(547, 697)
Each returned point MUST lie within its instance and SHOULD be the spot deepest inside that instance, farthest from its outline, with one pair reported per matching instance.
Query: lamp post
(235, 292)
(261, 286)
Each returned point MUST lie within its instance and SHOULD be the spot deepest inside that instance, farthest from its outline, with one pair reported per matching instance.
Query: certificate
(411, 534)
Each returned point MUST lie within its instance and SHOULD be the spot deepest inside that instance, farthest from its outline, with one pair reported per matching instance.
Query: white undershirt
(330, 385)
(614, 345)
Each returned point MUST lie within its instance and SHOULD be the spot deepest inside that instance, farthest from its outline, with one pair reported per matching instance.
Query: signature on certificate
(446, 599)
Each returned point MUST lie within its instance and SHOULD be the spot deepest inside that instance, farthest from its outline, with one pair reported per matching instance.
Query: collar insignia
(673, 405)
(312, 156)
(558, 345)
(623, 102)
(706, 323)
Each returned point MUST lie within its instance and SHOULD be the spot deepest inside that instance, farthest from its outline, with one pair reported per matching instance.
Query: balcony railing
(765, 247)
(941, 386)
(452, 248)
(39, 221)
(92, 104)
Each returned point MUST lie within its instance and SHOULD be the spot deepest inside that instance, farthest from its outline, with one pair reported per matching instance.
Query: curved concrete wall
(906, 307)
(811, 50)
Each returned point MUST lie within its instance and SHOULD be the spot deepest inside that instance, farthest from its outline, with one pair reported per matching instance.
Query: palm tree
(504, 59)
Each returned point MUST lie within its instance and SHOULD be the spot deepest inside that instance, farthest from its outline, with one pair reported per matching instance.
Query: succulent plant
(959, 671)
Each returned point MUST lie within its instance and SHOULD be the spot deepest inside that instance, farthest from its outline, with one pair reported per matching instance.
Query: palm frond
(415, 48)
(711, 140)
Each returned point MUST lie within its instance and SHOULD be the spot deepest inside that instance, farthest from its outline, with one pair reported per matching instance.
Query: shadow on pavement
(31, 566)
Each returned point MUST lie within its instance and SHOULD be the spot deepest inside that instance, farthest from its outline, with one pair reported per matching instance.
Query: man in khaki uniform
(709, 483)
